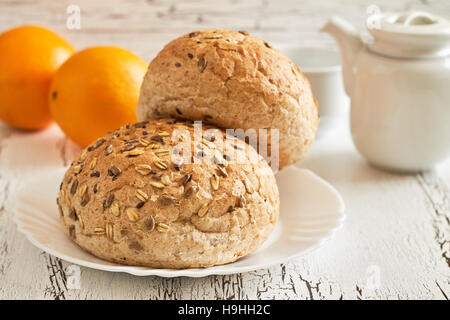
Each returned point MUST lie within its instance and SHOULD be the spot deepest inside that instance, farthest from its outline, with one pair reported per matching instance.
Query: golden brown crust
(126, 199)
(232, 80)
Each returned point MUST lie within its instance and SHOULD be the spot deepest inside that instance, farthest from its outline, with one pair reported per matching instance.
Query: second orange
(96, 91)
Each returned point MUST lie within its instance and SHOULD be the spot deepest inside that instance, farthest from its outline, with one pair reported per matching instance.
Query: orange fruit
(29, 57)
(96, 91)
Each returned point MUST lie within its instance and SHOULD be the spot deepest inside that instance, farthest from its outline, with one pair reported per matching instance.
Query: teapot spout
(350, 44)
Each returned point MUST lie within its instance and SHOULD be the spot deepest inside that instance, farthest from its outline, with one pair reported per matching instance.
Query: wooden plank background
(144, 26)
(397, 234)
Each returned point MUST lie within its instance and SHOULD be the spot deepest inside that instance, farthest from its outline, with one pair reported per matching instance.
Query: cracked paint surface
(395, 243)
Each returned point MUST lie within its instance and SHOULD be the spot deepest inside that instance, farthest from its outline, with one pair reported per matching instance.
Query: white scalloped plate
(311, 211)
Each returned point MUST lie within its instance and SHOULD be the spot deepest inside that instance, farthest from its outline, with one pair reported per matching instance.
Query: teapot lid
(413, 34)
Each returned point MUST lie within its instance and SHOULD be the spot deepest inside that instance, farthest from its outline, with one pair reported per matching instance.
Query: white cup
(322, 67)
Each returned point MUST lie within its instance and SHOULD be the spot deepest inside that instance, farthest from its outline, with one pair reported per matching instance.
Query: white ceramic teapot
(399, 85)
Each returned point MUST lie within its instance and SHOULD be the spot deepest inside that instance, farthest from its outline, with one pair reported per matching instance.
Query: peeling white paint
(395, 243)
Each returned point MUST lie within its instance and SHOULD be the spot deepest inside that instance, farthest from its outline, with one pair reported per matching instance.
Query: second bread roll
(232, 80)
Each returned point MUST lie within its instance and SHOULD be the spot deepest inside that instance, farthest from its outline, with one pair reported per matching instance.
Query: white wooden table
(395, 243)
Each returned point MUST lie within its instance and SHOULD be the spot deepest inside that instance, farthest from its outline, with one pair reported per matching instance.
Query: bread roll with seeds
(232, 80)
(129, 200)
